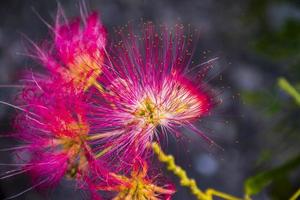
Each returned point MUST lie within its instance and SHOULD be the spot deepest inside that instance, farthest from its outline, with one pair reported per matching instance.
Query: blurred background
(257, 124)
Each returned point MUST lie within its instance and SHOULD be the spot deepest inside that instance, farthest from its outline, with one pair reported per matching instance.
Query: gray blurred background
(257, 124)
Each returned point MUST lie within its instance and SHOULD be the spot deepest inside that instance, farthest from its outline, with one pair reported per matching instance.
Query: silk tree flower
(78, 51)
(53, 125)
(151, 90)
(138, 185)
(54, 129)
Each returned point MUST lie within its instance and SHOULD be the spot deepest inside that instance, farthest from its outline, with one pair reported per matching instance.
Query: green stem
(296, 195)
(289, 89)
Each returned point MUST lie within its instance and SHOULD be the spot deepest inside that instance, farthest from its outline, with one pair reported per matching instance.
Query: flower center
(74, 146)
(149, 112)
(85, 70)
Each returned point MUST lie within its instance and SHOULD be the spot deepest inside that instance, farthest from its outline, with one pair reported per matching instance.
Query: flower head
(54, 128)
(148, 88)
(138, 186)
(78, 52)
(53, 125)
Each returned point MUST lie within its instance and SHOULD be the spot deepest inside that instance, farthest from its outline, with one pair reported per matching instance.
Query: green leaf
(257, 183)
(282, 44)
(266, 101)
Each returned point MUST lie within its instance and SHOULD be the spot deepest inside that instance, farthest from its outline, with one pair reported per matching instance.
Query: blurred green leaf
(264, 156)
(265, 100)
(281, 44)
(257, 183)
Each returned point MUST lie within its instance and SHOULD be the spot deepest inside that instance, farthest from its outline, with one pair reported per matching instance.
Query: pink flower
(54, 129)
(101, 138)
(47, 168)
(53, 125)
(78, 52)
(149, 92)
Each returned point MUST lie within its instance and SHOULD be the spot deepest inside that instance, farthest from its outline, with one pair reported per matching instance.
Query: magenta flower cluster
(93, 113)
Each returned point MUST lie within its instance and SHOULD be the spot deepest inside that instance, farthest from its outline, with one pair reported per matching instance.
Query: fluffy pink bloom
(149, 92)
(47, 168)
(78, 52)
(53, 125)
(54, 129)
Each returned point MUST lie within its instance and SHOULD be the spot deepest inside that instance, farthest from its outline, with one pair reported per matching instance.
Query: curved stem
(185, 180)
(296, 195)
(289, 89)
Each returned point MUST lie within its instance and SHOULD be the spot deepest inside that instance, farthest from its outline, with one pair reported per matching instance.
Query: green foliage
(257, 183)
(265, 156)
(277, 177)
(265, 101)
(280, 48)
(289, 89)
(284, 43)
